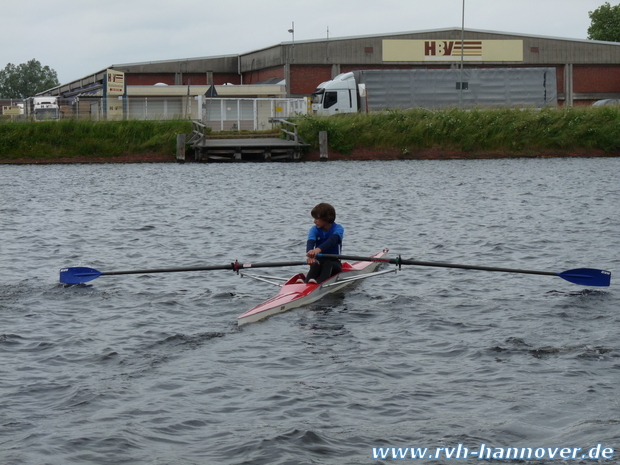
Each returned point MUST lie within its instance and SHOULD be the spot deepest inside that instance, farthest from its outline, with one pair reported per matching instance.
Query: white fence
(159, 108)
(140, 108)
(249, 114)
(220, 114)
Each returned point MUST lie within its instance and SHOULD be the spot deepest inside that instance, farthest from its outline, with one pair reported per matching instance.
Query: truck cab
(336, 96)
(45, 108)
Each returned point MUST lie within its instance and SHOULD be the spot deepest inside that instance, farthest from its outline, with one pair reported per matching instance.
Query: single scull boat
(293, 295)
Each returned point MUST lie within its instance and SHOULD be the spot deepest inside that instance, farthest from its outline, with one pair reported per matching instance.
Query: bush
(72, 138)
(501, 129)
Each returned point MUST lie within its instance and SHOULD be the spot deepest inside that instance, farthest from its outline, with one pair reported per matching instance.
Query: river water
(152, 369)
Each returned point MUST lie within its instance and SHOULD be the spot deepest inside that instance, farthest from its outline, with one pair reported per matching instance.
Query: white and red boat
(293, 295)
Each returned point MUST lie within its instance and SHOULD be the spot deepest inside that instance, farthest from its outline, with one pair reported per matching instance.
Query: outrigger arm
(357, 278)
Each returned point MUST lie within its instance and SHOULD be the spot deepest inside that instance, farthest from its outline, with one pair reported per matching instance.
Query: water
(153, 369)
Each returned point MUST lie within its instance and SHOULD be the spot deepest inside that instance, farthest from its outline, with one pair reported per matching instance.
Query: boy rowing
(324, 237)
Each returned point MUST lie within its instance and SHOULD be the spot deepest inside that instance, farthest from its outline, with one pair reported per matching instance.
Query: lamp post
(289, 58)
(327, 46)
(462, 52)
(292, 31)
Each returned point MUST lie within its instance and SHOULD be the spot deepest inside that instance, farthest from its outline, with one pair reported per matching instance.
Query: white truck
(376, 90)
(45, 108)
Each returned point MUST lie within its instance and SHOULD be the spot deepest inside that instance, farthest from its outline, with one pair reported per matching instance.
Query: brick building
(586, 70)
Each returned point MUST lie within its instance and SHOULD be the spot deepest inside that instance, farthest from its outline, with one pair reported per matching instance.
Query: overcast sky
(77, 37)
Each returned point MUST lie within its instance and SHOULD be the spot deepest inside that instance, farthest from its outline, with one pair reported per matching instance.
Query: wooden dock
(206, 148)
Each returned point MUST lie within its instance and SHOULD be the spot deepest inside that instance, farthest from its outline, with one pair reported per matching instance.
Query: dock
(205, 147)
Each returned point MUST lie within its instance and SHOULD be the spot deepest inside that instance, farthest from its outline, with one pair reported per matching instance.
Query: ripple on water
(153, 368)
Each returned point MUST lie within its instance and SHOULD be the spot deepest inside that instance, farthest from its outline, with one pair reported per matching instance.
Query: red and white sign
(115, 82)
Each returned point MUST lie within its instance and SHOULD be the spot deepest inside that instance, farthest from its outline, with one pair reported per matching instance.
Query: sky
(77, 38)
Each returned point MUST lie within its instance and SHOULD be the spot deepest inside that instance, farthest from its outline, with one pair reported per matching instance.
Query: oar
(581, 276)
(78, 275)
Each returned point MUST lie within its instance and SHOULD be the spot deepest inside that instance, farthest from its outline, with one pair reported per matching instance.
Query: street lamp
(292, 31)
(462, 51)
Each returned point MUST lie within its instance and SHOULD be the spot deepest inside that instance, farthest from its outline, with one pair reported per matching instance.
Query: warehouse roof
(327, 50)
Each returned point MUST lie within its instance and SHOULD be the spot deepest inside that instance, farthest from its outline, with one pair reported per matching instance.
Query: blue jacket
(328, 241)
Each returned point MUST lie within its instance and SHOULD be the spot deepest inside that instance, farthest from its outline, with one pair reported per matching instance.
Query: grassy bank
(82, 140)
(502, 130)
(395, 133)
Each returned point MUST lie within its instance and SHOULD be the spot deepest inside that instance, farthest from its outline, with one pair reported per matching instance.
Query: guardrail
(290, 135)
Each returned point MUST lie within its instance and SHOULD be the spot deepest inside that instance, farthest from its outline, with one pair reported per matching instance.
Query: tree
(605, 23)
(26, 80)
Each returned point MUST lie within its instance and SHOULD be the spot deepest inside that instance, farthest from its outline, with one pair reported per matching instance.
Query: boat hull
(293, 295)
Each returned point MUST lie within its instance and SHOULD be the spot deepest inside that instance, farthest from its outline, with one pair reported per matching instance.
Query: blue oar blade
(78, 275)
(587, 277)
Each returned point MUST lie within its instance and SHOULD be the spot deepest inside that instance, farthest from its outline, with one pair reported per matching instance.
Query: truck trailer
(376, 90)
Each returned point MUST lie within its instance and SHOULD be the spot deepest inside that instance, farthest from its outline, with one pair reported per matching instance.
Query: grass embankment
(449, 133)
(84, 141)
(505, 131)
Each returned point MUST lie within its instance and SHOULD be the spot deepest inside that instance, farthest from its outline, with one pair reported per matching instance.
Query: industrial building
(586, 70)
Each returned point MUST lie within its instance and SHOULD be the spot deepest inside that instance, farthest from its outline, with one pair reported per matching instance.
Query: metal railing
(289, 130)
(250, 114)
(219, 114)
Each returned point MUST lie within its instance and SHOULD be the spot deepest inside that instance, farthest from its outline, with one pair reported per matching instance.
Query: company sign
(115, 82)
(452, 50)
(114, 92)
(12, 110)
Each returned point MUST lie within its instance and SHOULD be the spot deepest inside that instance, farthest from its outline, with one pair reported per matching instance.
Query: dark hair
(325, 212)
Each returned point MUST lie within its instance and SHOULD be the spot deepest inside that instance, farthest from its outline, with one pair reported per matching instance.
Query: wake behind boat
(293, 295)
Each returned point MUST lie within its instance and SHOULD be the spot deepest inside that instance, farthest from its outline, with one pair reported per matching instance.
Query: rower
(325, 236)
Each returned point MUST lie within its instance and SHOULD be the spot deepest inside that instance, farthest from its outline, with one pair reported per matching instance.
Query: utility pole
(292, 31)
(462, 54)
